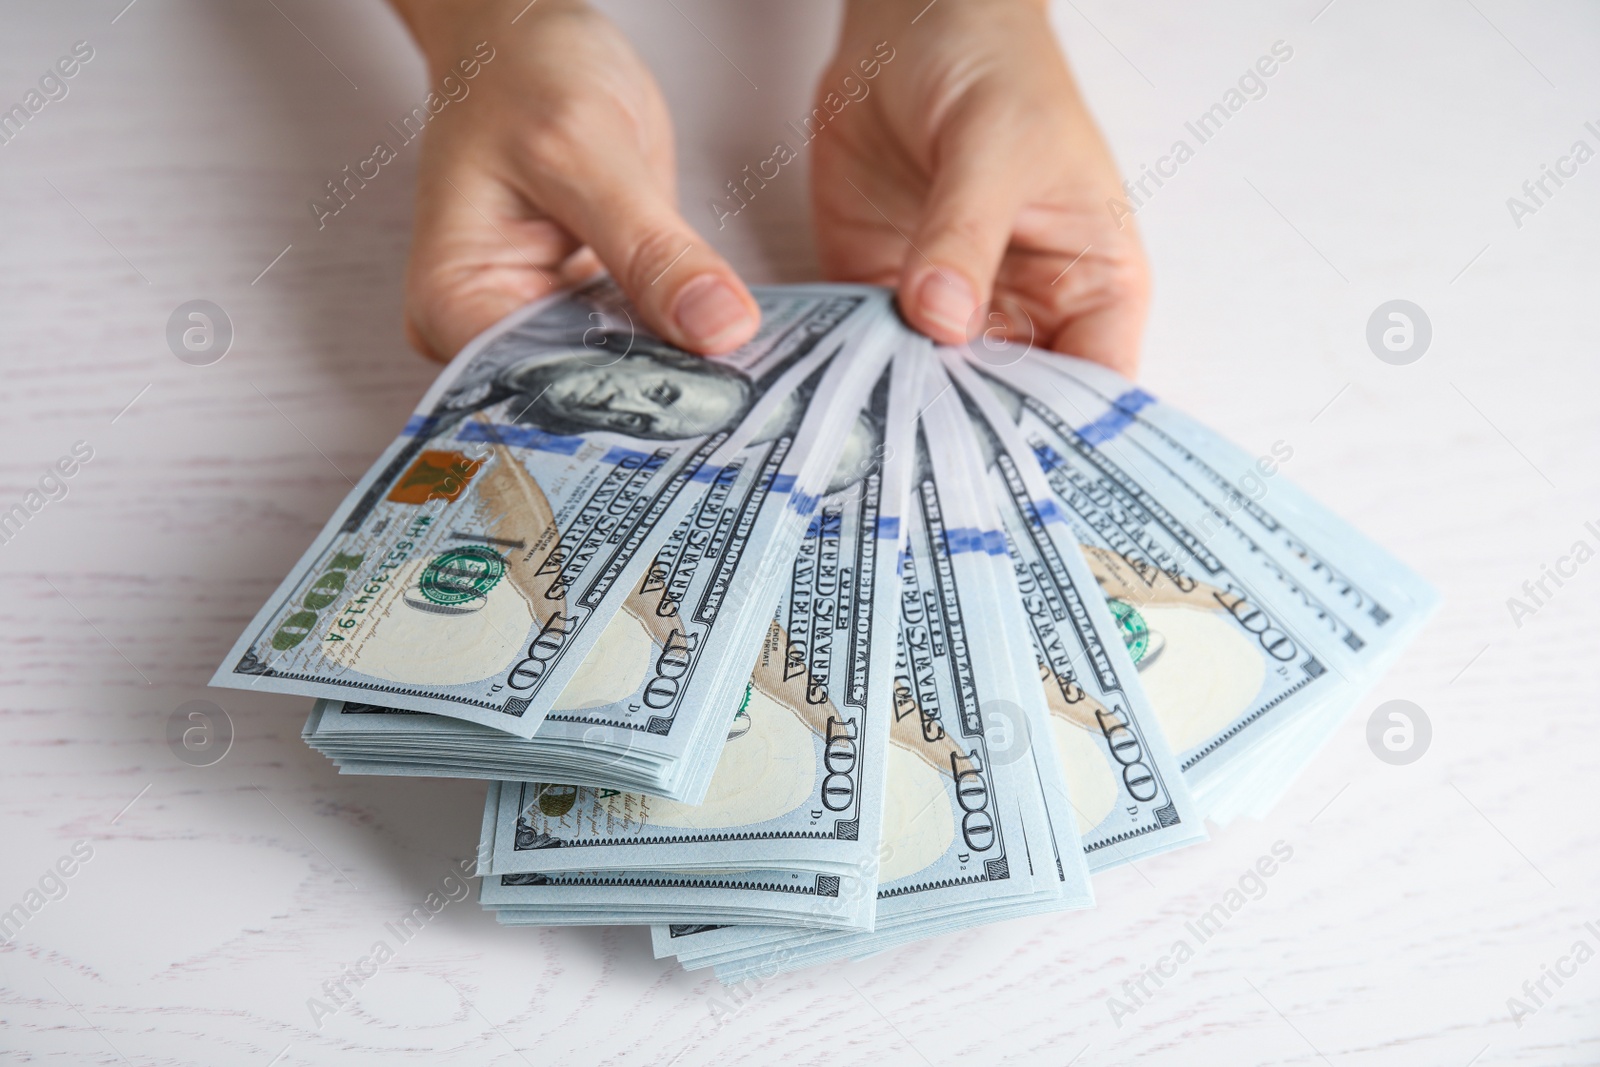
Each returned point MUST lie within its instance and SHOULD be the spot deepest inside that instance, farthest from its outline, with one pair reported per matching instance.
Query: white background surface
(1377, 166)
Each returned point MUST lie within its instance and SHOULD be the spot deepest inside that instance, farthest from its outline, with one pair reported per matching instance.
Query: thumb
(687, 293)
(950, 269)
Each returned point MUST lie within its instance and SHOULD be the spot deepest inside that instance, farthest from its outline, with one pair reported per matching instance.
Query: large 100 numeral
(1278, 644)
(839, 758)
(972, 793)
(529, 671)
(671, 668)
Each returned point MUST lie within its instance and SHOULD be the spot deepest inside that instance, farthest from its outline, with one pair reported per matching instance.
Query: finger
(1101, 309)
(582, 266)
(971, 209)
(476, 256)
(686, 292)
(1108, 335)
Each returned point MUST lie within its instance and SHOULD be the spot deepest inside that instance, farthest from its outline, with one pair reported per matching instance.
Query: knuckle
(424, 296)
(967, 238)
(1128, 279)
(427, 315)
(557, 135)
(650, 252)
(1110, 276)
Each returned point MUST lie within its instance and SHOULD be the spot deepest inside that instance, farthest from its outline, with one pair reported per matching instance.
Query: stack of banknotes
(839, 641)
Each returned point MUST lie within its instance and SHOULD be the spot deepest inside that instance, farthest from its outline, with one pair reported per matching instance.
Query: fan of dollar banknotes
(836, 642)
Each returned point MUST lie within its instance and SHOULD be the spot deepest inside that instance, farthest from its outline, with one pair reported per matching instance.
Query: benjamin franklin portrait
(628, 385)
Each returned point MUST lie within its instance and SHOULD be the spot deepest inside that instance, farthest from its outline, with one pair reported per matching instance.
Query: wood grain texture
(1377, 165)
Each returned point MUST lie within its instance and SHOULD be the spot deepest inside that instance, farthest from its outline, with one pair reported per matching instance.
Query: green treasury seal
(1135, 631)
(462, 575)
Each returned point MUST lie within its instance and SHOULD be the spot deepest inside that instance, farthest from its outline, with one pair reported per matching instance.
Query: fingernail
(711, 315)
(947, 299)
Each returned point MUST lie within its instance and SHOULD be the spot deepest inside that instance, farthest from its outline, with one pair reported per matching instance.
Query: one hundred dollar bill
(657, 695)
(1226, 651)
(1362, 605)
(482, 557)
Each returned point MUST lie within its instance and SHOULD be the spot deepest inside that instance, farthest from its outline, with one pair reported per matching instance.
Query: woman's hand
(970, 172)
(559, 159)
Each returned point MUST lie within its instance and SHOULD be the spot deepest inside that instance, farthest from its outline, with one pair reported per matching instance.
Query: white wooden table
(218, 900)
